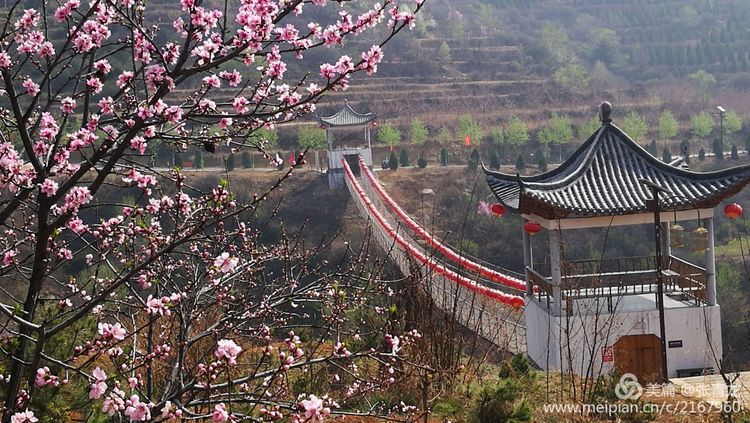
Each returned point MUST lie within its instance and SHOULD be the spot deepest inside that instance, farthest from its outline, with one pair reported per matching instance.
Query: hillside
(494, 58)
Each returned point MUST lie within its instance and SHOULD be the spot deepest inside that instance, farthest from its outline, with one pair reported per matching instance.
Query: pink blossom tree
(182, 313)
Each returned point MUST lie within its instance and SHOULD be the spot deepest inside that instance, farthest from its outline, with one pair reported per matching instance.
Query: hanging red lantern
(532, 228)
(733, 210)
(497, 209)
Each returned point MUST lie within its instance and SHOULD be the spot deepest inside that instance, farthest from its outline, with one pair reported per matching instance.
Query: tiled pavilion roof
(603, 178)
(346, 117)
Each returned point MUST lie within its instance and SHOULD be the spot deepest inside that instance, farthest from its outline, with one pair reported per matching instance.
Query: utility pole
(654, 206)
(722, 114)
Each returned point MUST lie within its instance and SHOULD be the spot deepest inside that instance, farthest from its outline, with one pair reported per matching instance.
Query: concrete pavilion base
(585, 338)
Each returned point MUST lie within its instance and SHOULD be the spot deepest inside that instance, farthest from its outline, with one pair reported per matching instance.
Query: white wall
(334, 157)
(699, 328)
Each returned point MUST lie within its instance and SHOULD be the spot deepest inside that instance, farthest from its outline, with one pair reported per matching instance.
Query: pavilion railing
(691, 279)
(612, 278)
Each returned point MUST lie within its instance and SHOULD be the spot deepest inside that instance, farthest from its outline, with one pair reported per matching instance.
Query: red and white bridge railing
(460, 260)
(423, 258)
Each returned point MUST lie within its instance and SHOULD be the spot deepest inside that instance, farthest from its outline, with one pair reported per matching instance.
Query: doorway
(353, 161)
(639, 355)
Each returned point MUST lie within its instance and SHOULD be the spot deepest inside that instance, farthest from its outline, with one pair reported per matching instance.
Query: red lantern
(497, 209)
(733, 210)
(532, 228)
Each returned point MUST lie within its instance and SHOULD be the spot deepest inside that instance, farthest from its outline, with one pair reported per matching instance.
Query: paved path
(711, 388)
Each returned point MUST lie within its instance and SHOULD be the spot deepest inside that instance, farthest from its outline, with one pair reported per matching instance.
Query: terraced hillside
(493, 58)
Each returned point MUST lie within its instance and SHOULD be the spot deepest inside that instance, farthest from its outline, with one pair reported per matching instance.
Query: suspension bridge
(485, 299)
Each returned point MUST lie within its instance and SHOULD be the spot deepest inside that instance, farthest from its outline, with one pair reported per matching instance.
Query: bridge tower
(342, 123)
(655, 316)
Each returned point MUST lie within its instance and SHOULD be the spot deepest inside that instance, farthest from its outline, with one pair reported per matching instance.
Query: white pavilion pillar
(555, 241)
(666, 248)
(329, 140)
(710, 262)
(527, 261)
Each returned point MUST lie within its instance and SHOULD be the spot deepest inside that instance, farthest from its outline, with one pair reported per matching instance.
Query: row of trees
(558, 130)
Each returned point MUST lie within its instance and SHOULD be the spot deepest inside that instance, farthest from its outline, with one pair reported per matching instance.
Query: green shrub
(198, 159)
(443, 157)
(518, 366)
(520, 163)
(718, 149)
(501, 403)
(541, 161)
(247, 161)
(666, 155)
(403, 158)
(392, 161)
(422, 162)
(231, 163)
(474, 160)
(494, 159)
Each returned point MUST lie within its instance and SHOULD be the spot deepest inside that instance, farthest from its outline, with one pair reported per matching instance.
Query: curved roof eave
(603, 178)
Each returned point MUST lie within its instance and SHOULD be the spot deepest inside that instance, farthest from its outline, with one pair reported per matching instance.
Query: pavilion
(596, 316)
(346, 119)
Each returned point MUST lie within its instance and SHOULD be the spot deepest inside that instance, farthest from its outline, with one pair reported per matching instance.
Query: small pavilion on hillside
(347, 119)
(597, 316)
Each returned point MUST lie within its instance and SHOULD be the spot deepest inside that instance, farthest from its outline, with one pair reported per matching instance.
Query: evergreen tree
(541, 161)
(444, 135)
(389, 135)
(666, 155)
(198, 159)
(247, 161)
(702, 124)
(422, 162)
(443, 157)
(474, 160)
(559, 131)
(393, 161)
(164, 153)
(177, 159)
(516, 132)
(635, 125)
(496, 135)
(403, 158)
(467, 126)
(652, 148)
(418, 132)
(444, 53)
(587, 128)
(231, 163)
(718, 149)
(747, 144)
(667, 125)
(702, 154)
(494, 159)
(685, 150)
(313, 138)
(520, 163)
(735, 152)
(732, 122)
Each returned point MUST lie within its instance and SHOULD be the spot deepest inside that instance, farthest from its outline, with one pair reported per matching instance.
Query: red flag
(291, 159)
(467, 140)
